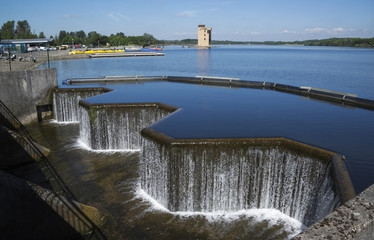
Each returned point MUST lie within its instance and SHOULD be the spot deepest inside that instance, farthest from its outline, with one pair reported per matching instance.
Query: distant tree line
(94, 38)
(342, 42)
(334, 42)
(22, 30)
(188, 41)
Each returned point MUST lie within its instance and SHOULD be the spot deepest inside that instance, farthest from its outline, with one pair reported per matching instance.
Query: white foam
(82, 145)
(140, 193)
(272, 216)
(63, 123)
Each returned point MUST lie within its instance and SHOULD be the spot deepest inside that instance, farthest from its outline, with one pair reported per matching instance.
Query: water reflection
(203, 59)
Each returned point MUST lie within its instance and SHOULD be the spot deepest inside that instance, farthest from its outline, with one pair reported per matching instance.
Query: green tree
(135, 40)
(23, 30)
(103, 40)
(371, 42)
(118, 39)
(148, 39)
(81, 35)
(41, 35)
(69, 40)
(96, 39)
(7, 30)
(121, 34)
(93, 38)
(61, 36)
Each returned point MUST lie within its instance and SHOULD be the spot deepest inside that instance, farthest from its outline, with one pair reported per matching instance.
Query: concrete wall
(22, 91)
(352, 220)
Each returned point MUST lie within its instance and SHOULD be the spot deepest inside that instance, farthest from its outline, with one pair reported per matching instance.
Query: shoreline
(41, 57)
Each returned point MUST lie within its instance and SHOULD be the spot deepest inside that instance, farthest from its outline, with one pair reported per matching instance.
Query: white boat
(132, 48)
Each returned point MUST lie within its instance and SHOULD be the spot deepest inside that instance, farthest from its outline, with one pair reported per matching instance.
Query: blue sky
(246, 20)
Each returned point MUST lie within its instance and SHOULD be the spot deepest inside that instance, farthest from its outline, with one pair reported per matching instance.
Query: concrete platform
(127, 54)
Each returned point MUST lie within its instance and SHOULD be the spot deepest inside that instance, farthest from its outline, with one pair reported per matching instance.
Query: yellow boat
(96, 51)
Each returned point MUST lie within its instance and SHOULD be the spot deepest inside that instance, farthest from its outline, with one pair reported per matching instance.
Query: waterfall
(102, 127)
(232, 177)
(117, 126)
(66, 102)
(205, 177)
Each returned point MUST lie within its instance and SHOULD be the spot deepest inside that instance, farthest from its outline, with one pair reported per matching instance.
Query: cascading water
(66, 102)
(118, 126)
(105, 127)
(204, 177)
(232, 177)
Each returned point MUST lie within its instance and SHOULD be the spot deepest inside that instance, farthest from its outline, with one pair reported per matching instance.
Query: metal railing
(60, 194)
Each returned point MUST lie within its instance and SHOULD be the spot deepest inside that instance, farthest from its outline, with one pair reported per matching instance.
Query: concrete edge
(343, 180)
(353, 220)
(322, 94)
(298, 147)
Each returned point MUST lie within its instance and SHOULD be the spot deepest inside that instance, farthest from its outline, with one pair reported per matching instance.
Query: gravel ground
(41, 56)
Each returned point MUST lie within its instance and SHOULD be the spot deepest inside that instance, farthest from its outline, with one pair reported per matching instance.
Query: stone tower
(204, 36)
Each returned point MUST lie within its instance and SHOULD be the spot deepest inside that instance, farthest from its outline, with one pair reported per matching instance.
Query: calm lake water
(341, 69)
(108, 180)
(225, 112)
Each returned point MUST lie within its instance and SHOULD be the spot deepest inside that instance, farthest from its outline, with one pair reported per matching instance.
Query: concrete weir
(207, 175)
(316, 93)
(302, 181)
(66, 102)
(117, 126)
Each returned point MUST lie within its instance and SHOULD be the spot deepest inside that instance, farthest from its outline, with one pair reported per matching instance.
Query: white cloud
(315, 30)
(333, 31)
(118, 16)
(286, 31)
(339, 29)
(187, 14)
(123, 16)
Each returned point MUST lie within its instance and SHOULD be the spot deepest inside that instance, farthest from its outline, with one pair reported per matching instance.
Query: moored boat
(152, 49)
(132, 48)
